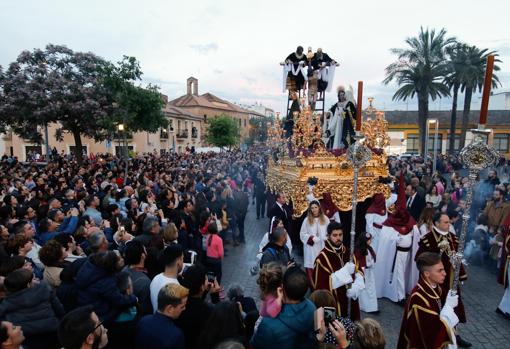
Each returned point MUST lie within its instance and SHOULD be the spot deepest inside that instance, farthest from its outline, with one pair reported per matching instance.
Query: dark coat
(158, 332)
(242, 202)
(98, 287)
(275, 253)
(416, 207)
(36, 309)
(284, 216)
(193, 319)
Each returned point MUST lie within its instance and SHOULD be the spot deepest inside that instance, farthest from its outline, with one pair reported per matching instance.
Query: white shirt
(157, 284)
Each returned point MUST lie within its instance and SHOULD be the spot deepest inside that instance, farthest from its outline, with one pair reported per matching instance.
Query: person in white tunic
(313, 234)
(376, 215)
(394, 271)
(365, 255)
(504, 278)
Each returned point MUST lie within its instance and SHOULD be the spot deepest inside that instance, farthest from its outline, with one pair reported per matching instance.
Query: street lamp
(435, 123)
(120, 127)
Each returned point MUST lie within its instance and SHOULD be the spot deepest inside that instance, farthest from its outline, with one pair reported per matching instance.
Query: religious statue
(325, 68)
(340, 127)
(294, 73)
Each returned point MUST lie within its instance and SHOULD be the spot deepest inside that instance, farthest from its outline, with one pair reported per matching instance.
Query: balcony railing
(163, 134)
(182, 134)
(120, 135)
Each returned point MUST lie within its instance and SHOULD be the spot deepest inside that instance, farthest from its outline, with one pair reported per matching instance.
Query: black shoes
(462, 343)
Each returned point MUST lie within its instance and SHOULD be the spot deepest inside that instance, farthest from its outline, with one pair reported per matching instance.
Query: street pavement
(481, 294)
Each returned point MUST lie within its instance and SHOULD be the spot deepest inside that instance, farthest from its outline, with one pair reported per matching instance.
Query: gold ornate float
(334, 173)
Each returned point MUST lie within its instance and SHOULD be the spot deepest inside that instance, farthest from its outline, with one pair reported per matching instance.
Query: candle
(358, 109)
(486, 90)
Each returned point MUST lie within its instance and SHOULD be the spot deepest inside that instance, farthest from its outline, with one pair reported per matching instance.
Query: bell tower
(192, 84)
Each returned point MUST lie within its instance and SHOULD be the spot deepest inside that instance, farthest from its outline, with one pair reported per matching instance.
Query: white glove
(352, 294)
(359, 282)
(341, 277)
(350, 267)
(357, 286)
(447, 314)
(451, 300)
(315, 239)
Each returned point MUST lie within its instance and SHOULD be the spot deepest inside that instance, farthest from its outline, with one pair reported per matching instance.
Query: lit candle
(486, 90)
(358, 109)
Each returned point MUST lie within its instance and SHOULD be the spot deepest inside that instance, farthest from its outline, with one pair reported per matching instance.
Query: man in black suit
(281, 211)
(415, 202)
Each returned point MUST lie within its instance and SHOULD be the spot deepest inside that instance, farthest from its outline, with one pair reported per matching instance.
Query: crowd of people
(92, 258)
(137, 252)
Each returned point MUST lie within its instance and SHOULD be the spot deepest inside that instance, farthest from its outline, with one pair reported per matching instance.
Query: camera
(210, 277)
(329, 315)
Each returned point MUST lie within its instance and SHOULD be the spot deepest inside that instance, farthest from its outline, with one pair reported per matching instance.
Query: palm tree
(456, 67)
(472, 80)
(419, 71)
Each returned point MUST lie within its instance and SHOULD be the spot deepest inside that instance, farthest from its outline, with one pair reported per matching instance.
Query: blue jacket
(291, 329)
(68, 226)
(98, 287)
(158, 332)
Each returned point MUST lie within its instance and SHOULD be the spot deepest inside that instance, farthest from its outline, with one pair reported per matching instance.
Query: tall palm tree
(419, 71)
(472, 81)
(457, 55)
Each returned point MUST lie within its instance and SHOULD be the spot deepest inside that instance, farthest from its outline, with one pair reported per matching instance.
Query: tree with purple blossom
(81, 92)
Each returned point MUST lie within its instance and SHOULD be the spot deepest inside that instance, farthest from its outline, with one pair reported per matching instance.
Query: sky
(233, 47)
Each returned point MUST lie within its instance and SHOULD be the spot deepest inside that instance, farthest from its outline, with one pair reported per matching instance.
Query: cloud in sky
(234, 48)
(204, 49)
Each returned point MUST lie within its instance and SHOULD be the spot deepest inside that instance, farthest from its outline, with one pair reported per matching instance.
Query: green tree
(81, 92)
(472, 80)
(222, 131)
(419, 71)
(258, 129)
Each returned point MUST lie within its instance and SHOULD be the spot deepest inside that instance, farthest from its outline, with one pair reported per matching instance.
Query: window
(501, 142)
(439, 143)
(84, 149)
(413, 143)
(239, 123)
(31, 150)
(456, 144)
(163, 133)
(120, 150)
(244, 122)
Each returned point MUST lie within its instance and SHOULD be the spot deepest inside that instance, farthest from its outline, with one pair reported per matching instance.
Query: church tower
(192, 84)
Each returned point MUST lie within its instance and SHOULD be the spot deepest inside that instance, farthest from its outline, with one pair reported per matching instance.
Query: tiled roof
(208, 100)
(176, 111)
(495, 117)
